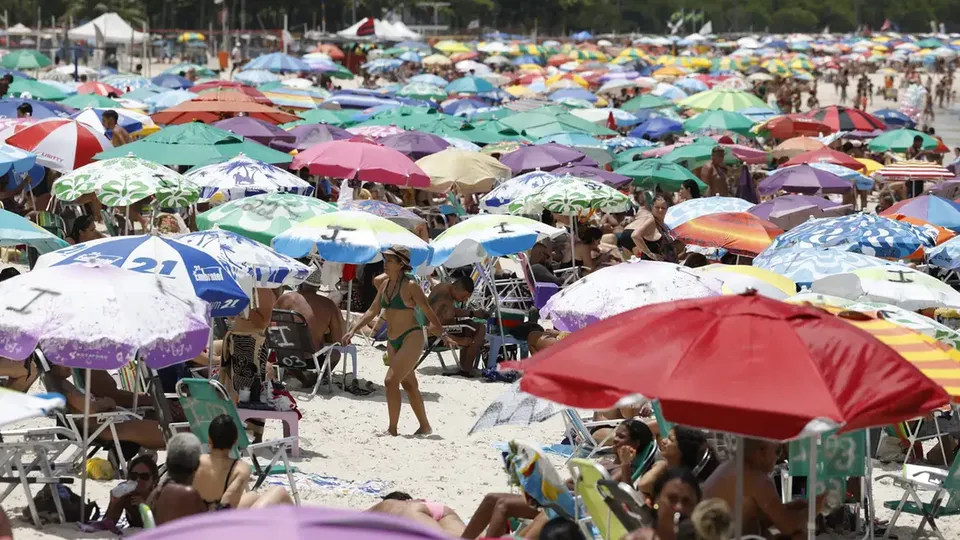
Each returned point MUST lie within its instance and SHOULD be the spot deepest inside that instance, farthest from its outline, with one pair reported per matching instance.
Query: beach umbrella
(414, 144)
(649, 173)
(804, 265)
(124, 181)
(255, 130)
(904, 287)
(462, 171)
(600, 295)
(543, 157)
(174, 82)
(862, 233)
(468, 85)
(372, 132)
(930, 208)
(719, 120)
(241, 176)
(422, 91)
(144, 92)
(164, 257)
(256, 77)
(307, 135)
(683, 212)
(796, 146)
(498, 200)
(213, 105)
(823, 155)
(98, 88)
(339, 118)
(656, 128)
(691, 85)
(803, 179)
(91, 100)
(849, 386)
(694, 155)
(395, 213)
(646, 101)
(913, 170)
(945, 255)
(194, 143)
(17, 406)
(16, 160)
(429, 78)
(128, 120)
(364, 161)
(899, 140)
(169, 98)
(514, 408)
(592, 173)
(41, 109)
(569, 195)
(349, 237)
(895, 118)
(740, 279)
(573, 93)
(789, 211)
(739, 233)
(841, 118)
(185, 67)
(127, 82)
(602, 116)
(537, 124)
(31, 89)
(16, 230)
(60, 144)
(859, 178)
(789, 126)
(277, 62)
(262, 217)
(256, 94)
(475, 239)
(24, 59)
(722, 99)
(243, 256)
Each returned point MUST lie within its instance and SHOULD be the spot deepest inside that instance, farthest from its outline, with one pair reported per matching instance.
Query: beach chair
(625, 503)
(203, 400)
(31, 457)
(577, 430)
(289, 336)
(945, 486)
(586, 474)
(536, 476)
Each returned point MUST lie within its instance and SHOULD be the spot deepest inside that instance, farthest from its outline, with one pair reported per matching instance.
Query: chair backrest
(128, 378)
(289, 336)
(539, 480)
(952, 485)
(625, 503)
(577, 429)
(202, 401)
(586, 474)
(643, 460)
(663, 425)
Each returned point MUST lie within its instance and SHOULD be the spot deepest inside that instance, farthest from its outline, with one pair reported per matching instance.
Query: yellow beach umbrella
(463, 171)
(669, 71)
(568, 76)
(451, 47)
(436, 60)
(736, 278)
(531, 68)
(518, 90)
(872, 166)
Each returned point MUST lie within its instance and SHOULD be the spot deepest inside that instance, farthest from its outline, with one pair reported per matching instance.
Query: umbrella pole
(867, 490)
(213, 368)
(83, 444)
(136, 382)
(573, 256)
(496, 300)
(343, 358)
(812, 490)
(738, 501)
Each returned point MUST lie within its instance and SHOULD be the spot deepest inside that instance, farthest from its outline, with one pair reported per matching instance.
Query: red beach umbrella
(825, 155)
(843, 119)
(739, 233)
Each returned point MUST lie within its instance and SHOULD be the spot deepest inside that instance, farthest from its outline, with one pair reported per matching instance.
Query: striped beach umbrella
(913, 170)
(841, 118)
(61, 144)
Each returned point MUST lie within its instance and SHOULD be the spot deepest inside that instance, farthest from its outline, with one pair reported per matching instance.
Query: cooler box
(511, 318)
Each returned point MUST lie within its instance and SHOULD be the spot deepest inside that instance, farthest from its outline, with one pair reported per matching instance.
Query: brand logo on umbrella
(208, 274)
(336, 230)
(98, 258)
(898, 276)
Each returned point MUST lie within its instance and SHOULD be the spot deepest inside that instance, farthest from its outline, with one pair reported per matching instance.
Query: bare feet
(424, 431)
(390, 431)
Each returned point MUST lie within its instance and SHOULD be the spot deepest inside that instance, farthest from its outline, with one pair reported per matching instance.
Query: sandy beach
(346, 463)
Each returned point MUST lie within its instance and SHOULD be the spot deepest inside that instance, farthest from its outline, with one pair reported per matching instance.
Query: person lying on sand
(431, 514)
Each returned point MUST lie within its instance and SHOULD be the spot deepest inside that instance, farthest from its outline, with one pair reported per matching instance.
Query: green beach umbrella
(697, 154)
(899, 140)
(26, 88)
(91, 100)
(16, 230)
(126, 180)
(262, 217)
(649, 173)
(201, 71)
(538, 124)
(569, 195)
(24, 59)
(629, 156)
(194, 144)
(719, 120)
(405, 110)
(722, 99)
(493, 114)
(469, 85)
(646, 101)
(339, 118)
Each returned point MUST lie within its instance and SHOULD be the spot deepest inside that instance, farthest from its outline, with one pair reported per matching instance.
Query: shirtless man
(714, 173)
(174, 497)
(322, 315)
(119, 135)
(444, 298)
(762, 506)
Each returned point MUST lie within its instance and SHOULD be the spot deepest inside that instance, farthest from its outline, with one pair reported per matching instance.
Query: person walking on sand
(406, 310)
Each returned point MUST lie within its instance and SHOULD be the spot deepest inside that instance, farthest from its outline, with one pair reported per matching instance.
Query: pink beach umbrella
(363, 160)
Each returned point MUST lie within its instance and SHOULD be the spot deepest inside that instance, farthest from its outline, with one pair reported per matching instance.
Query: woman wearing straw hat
(405, 309)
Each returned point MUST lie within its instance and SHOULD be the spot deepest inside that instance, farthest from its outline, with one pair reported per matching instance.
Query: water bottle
(245, 394)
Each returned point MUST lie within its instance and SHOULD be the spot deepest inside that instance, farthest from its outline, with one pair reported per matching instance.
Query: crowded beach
(389, 286)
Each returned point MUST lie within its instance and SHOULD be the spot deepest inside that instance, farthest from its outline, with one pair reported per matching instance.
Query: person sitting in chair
(323, 317)
(174, 497)
(444, 299)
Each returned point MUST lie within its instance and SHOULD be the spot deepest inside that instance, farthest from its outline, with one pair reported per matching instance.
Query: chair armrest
(274, 443)
(109, 415)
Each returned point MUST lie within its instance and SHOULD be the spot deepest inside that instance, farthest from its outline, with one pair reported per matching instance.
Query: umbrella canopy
(600, 295)
(174, 82)
(803, 179)
(41, 109)
(415, 144)
(946, 255)
(789, 211)
(824, 155)
(307, 135)
(463, 171)
(479, 237)
(16, 230)
(264, 266)
(796, 146)
(805, 265)
(719, 120)
(262, 217)
(739, 279)
(211, 106)
(899, 140)
(788, 126)
(649, 173)
(498, 200)
(592, 173)
(349, 237)
(722, 99)
(841, 118)
(255, 130)
(912, 170)
(683, 212)
(15, 160)
(570, 195)
(397, 214)
(24, 59)
(195, 144)
(646, 101)
(894, 118)
(124, 181)
(838, 374)
(170, 98)
(100, 317)
(98, 88)
(657, 127)
(930, 208)
(903, 287)
(277, 62)
(60, 144)
(241, 177)
(361, 160)
(739, 233)
(128, 120)
(544, 157)
(862, 233)
(537, 124)
(469, 85)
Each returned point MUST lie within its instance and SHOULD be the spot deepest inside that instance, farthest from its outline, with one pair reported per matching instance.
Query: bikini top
(396, 302)
(216, 505)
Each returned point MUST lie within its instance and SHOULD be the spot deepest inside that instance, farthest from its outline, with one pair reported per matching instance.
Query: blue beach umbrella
(806, 265)
(657, 127)
(429, 78)
(170, 98)
(241, 255)
(41, 109)
(169, 80)
(474, 239)
(277, 62)
(895, 119)
(13, 158)
(860, 233)
(256, 77)
(499, 199)
(469, 85)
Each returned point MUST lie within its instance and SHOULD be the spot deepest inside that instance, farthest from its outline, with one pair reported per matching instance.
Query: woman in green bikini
(404, 308)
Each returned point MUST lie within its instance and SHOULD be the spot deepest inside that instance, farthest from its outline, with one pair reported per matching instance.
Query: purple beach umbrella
(307, 135)
(593, 173)
(803, 179)
(255, 130)
(789, 211)
(415, 144)
(544, 157)
(292, 523)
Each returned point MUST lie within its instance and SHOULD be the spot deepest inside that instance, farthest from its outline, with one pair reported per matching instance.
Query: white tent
(381, 30)
(114, 29)
(405, 31)
(19, 30)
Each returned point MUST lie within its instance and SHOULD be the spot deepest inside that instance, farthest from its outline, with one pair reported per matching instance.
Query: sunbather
(20, 375)
(762, 506)
(430, 514)
(103, 385)
(399, 298)
(222, 480)
(675, 495)
(142, 477)
(444, 299)
(174, 497)
(630, 439)
(683, 447)
(322, 315)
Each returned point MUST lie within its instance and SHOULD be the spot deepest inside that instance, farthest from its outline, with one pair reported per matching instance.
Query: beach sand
(340, 437)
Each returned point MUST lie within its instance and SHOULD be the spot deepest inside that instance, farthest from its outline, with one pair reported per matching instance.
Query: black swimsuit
(216, 505)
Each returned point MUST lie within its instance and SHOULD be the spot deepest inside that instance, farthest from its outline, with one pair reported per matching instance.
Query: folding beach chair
(625, 503)
(203, 400)
(33, 456)
(577, 430)
(586, 474)
(945, 486)
(289, 336)
(536, 476)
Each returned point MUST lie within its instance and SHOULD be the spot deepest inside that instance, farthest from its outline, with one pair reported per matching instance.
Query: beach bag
(70, 501)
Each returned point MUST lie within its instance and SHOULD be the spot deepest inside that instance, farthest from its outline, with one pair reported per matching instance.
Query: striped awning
(913, 170)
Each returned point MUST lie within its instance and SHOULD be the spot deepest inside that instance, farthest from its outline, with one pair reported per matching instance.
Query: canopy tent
(382, 29)
(113, 28)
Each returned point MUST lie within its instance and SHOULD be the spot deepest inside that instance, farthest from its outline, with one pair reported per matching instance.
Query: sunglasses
(145, 476)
